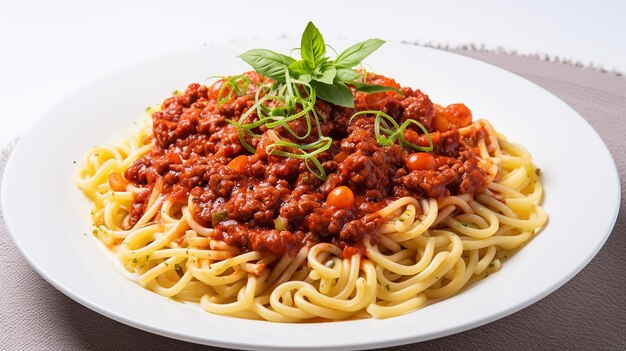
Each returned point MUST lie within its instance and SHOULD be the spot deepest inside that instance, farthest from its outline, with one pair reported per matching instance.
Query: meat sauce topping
(273, 204)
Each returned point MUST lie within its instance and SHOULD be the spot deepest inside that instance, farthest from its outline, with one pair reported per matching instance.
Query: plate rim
(397, 341)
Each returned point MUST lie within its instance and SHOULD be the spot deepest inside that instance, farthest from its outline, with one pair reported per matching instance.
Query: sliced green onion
(317, 147)
(286, 96)
(238, 84)
(387, 130)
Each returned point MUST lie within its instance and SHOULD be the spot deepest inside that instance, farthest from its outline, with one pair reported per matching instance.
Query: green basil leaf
(306, 78)
(372, 88)
(338, 94)
(353, 55)
(300, 67)
(268, 63)
(327, 75)
(346, 75)
(322, 61)
(312, 46)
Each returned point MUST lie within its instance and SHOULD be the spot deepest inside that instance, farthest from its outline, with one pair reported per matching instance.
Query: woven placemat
(588, 313)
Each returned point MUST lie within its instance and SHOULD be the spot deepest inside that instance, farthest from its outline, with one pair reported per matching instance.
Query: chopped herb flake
(218, 217)
(468, 225)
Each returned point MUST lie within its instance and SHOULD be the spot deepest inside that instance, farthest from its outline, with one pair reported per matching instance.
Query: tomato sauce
(274, 204)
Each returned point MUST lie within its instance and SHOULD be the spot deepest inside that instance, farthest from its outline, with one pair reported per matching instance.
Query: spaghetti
(416, 237)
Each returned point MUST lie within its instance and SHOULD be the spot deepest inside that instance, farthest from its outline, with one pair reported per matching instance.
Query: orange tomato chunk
(458, 115)
(340, 197)
(214, 89)
(421, 161)
(239, 163)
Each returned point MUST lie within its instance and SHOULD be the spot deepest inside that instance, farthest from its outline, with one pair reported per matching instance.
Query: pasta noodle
(428, 249)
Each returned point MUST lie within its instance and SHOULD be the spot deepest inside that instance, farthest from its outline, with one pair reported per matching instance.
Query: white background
(50, 48)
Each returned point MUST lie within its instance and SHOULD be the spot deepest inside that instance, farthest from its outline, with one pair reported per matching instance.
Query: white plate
(47, 215)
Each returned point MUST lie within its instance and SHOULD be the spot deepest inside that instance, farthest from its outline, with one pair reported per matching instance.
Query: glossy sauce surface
(273, 204)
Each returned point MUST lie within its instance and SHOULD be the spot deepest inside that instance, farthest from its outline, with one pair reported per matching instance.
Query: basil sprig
(296, 86)
(329, 78)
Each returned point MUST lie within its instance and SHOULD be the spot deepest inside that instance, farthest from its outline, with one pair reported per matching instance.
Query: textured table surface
(587, 313)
